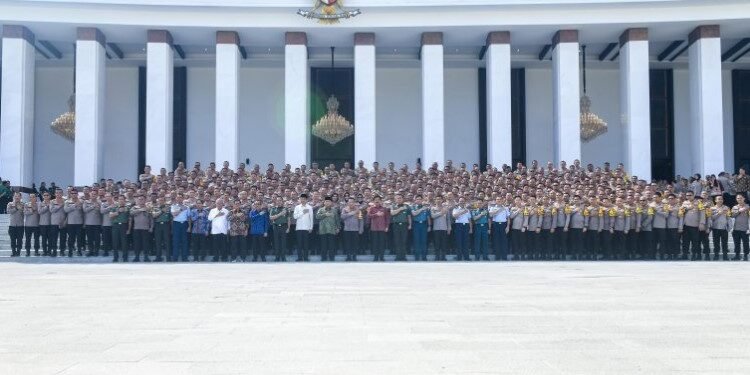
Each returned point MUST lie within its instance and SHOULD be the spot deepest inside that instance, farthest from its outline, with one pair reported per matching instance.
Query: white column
(499, 133)
(635, 106)
(364, 99)
(227, 97)
(706, 114)
(566, 96)
(17, 118)
(433, 100)
(296, 106)
(159, 100)
(90, 90)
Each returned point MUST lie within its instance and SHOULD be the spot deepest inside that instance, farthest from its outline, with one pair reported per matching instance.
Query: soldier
(480, 221)
(259, 225)
(281, 225)
(420, 217)
(379, 219)
(740, 229)
(200, 229)
(719, 216)
(351, 216)
(328, 228)
(57, 223)
(441, 227)
(401, 222)
(15, 210)
(162, 219)
(461, 229)
(92, 221)
(74, 214)
(142, 225)
(31, 224)
(239, 224)
(44, 224)
(119, 214)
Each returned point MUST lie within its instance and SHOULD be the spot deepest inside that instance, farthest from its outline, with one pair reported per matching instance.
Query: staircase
(4, 238)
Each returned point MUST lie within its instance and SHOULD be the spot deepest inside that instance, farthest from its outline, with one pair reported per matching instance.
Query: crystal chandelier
(65, 124)
(592, 125)
(332, 127)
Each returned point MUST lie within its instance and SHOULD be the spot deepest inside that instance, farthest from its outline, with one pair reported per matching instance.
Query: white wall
(462, 115)
(603, 86)
(682, 140)
(201, 104)
(121, 124)
(539, 136)
(262, 116)
(728, 106)
(53, 154)
(398, 115)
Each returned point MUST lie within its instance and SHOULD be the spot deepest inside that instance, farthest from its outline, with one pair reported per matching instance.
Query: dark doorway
(323, 83)
(741, 102)
(662, 124)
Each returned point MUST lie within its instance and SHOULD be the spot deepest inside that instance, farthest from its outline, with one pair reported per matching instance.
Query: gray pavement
(367, 318)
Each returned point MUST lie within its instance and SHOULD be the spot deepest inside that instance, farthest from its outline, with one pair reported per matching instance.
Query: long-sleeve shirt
(219, 223)
(258, 222)
(304, 219)
(199, 221)
(378, 222)
(329, 220)
(352, 220)
(74, 212)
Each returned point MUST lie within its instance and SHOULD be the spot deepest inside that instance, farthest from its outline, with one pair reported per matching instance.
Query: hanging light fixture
(332, 127)
(65, 124)
(592, 125)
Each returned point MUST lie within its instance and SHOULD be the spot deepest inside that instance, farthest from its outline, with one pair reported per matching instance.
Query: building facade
(476, 81)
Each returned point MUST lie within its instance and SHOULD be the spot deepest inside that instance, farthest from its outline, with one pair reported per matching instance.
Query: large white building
(478, 81)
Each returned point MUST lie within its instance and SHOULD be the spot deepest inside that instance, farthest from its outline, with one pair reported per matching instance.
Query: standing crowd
(527, 213)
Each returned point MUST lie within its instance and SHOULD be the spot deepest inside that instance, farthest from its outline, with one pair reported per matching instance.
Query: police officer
(420, 216)
(104, 207)
(92, 221)
(692, 221)
(31, 224)
(575, 227)
(646, 238)
(15, 210)
(673, 225)
(44, 224)
(441, 227)
(516, 228)
(719, 224)
(74, 214)
(352, 218)
(741, 227)
(57, 223)
(143, 226)
(532, 223)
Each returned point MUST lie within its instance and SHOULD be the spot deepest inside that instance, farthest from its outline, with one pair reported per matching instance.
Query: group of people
(523, 213)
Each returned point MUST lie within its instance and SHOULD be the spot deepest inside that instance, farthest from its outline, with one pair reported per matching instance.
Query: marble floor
(368, 318)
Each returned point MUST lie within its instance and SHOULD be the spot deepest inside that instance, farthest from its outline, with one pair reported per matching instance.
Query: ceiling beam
(544, 51)
(179, 51)
(680, 52)
(46, 56)
(482, 52)
(670, 48)
(741, 55)
(115, 50)
(615, 56)
(607, 51)
(51, 49)
(735, 48)
(243, 52)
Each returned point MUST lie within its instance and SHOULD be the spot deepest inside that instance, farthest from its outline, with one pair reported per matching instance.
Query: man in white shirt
(303, 214)
(219, 227)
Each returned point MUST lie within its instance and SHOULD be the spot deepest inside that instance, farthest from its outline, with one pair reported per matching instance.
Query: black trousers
(703, 238)
(16, 239)
(81, 241)
(199, 245)
(576, 241)
(32, 232)
(351, 244)
(517, 242)
(691, 240)
(280, 240)
(619, 243)
(93, 237)
(606, 238)
(632, 245)
(440, 242)
(63, 236)
(740, 238)
(593, 242)
(219, 246)
(120, 240)
(258, 245)
(238, 246)
(721, 241)
(303, 245)
(74, 235)
(561, 242)
(141, 243)
(546, 243)
(400, 236)
(673, 241)
(661, 241)
(648, 244)
(378, 244)
(106, 239)
(327, 246)
(52, 233)
(162, 240)
(532, 242)
(44, 231)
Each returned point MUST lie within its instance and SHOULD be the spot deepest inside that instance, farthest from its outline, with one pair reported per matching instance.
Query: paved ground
(427, 318)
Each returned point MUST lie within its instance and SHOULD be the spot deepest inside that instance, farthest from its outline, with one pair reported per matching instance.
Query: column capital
(633, 34)
(91, 33)
(18, 32)
(498, 37)
(295, 38)
(160, 36)
(564, 36)
(227, 37)
(704, 31)
(364, 39)
(432, 38)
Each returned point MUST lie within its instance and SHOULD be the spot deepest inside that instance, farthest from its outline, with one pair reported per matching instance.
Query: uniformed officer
(57, 223)
(619, 227)
(592, 223)
(480, 219)
(401, 222)
(280, 226)
(44, 224)
(420, 216)
(719, 216)
(92, 221)
(441, 226)
(646, 238)
(162, 219)
(328, 227)
(673, 225)
(74, 214)
(353, 223)
(15, 211)
(179, 211)
(461, 229)
(106, 223)
(741, 227)
(516, 228)
(561, 235)
(499, 213)
(575, 227)
(31, 224)
(547, 233)
(692, 221)
(532, 225)
(119, 214)
(143, 226)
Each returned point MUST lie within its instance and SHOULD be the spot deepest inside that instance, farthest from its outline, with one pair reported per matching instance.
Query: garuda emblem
(328, 11)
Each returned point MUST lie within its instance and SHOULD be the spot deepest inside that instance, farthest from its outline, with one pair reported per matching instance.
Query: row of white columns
(16, 123)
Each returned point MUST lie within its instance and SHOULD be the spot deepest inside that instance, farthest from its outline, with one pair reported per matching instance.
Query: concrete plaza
(367, 318)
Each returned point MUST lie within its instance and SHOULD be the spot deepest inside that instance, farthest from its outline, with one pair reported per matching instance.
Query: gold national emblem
(328, 11)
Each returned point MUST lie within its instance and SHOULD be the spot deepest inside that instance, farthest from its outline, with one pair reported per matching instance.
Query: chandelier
(332, 127)
(65, 124)
(592, 125)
